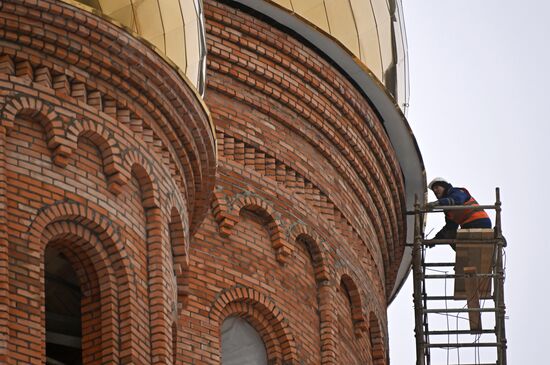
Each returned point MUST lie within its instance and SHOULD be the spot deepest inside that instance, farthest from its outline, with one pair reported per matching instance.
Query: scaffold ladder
(466, 327)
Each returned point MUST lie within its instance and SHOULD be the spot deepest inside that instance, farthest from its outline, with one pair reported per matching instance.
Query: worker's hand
(432, 205)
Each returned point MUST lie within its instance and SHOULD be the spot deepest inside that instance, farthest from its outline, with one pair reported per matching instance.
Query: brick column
(4, 273)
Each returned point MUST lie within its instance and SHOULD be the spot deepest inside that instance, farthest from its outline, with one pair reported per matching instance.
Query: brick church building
(202, 182)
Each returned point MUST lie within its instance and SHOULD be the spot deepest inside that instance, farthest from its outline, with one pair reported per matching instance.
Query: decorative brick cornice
(116, 75)
(268, 167)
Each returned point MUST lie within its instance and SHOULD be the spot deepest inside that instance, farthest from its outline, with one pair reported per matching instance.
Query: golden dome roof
(372, 30)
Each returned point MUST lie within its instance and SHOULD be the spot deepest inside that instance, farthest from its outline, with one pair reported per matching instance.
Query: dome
(372, 30)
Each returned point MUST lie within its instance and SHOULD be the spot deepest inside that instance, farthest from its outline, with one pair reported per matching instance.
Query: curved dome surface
(174, 28)
(372, 30)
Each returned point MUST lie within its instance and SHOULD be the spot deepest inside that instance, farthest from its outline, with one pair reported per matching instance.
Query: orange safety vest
(467, 215)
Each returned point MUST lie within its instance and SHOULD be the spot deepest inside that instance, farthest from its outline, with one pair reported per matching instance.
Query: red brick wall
(309, 195)
(107, 155)
(349, 349)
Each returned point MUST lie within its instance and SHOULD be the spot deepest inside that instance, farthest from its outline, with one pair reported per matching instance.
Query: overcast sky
(479, 99)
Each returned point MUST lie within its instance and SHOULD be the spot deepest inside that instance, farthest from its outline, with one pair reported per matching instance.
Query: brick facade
(306, 228)
(108, 156)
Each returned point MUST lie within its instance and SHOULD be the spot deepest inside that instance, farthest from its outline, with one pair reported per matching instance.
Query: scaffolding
(472, 319)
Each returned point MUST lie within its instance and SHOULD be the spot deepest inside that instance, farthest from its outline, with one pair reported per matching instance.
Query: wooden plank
(471, 282)
(476, 255)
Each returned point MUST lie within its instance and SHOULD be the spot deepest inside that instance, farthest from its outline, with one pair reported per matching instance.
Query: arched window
(241, 343)
(63, 315)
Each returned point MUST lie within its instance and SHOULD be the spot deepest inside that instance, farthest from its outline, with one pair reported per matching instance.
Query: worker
(447, 195)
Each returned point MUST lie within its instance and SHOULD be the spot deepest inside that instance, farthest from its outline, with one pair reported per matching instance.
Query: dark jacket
(460, 196)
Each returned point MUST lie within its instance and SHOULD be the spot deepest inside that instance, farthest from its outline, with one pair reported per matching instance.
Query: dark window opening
(63, 315)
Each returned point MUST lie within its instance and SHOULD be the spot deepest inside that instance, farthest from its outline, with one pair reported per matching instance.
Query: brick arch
(274, 225)
(316, 249)
(98, 283)
(315, 246)
(376, 338)
(107, 145)
(263, 315)
(136, 163)
(356, 296)
(37, 110)
(60, 215)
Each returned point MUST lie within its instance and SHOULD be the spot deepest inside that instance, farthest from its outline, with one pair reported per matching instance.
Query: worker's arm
(456, 197)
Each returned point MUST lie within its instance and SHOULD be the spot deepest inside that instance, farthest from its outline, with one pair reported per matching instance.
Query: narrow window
(63, 317)
(241, 343)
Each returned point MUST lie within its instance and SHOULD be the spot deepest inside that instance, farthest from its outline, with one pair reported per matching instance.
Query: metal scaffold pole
(417, 278)
(499, 284)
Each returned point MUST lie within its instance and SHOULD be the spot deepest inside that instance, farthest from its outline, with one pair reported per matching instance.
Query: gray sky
(479, 74)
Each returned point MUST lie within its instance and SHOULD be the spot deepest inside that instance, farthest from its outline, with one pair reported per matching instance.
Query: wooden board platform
(474, 254)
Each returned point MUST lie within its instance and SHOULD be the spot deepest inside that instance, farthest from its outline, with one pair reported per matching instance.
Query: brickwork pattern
(305, 230)
(260, 71)
(107, 155)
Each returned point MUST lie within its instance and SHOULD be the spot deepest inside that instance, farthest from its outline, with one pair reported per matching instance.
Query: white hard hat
(436, 180)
